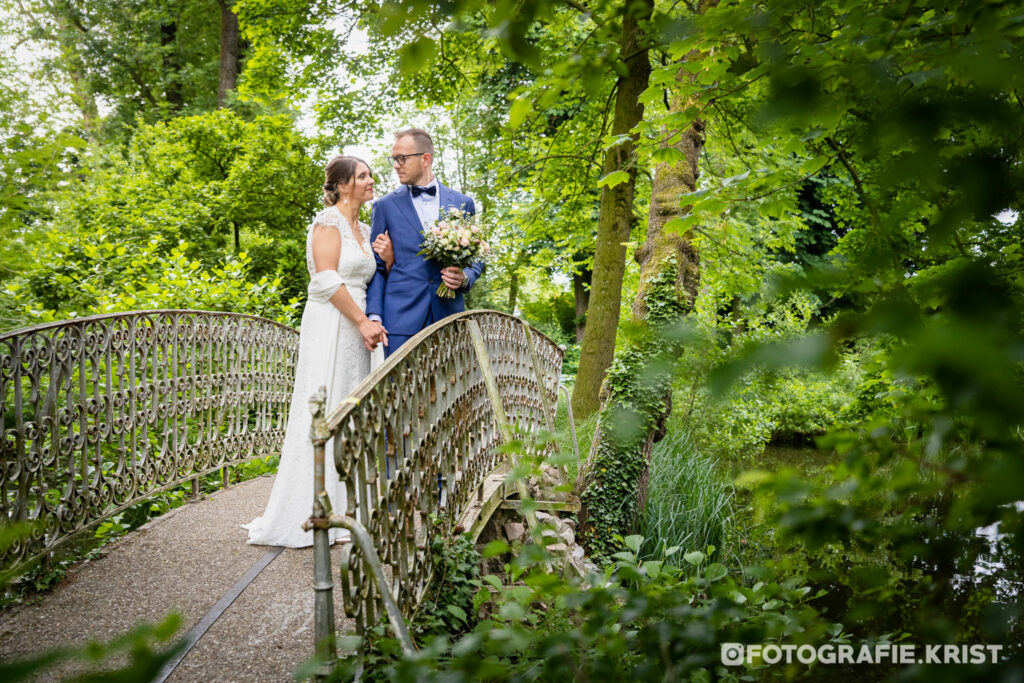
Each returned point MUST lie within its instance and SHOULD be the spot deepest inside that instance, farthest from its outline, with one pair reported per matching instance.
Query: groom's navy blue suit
(406, 298)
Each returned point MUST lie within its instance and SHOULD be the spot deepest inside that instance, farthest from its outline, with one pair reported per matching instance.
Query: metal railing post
(323, 585)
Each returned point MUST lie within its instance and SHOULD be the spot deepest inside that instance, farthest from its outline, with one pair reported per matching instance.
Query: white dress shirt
(427, 207)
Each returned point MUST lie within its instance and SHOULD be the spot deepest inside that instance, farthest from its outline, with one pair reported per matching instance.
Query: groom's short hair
(424, 143)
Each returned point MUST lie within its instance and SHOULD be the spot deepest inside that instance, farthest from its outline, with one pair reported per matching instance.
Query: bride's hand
(382, 245)
(369, 330)
(373, 333)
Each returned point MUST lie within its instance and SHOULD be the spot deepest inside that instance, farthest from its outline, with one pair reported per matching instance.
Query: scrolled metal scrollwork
(418, 437)
(101, 412)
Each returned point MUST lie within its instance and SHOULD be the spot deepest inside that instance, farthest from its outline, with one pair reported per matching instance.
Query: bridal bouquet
(455, 240)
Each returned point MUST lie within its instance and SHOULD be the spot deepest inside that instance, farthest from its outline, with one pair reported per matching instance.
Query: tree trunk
(228, 52)
(513, 289)
(663, 250)
(613, 482)
(172, 66)
(615, 220)
(581, 295)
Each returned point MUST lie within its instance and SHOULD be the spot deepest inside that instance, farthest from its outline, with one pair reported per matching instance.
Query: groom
(405, 299)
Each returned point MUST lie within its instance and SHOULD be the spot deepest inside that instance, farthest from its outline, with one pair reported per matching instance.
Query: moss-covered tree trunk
(615, 220)
(637, 393)
(668, 253)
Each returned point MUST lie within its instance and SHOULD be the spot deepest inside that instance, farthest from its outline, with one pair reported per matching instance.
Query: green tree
(211, 186)
(141, 58)
(37, 154)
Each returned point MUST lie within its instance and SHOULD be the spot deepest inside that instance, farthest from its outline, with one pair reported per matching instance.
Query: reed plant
(689, 502)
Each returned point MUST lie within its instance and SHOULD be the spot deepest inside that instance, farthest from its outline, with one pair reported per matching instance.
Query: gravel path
(184, 562)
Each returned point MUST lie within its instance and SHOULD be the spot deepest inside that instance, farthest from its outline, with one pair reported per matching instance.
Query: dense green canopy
(751, 223)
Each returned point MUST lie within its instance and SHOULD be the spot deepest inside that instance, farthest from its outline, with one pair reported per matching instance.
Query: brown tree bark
(615, 219)
(228, 52)
(655, 256)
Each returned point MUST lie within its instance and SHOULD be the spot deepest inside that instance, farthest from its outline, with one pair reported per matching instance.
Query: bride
(335, 341)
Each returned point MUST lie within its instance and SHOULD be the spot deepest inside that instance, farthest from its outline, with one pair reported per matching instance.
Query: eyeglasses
(400, 159)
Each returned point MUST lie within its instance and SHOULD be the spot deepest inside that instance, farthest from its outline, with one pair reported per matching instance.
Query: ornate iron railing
(418, 437)
(102, 412)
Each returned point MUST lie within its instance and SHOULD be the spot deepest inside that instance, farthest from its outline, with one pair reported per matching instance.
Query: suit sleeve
(475, 270)
(375, 290)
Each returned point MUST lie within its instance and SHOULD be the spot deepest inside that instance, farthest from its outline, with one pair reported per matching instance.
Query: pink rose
(464, 242)
(435, 230)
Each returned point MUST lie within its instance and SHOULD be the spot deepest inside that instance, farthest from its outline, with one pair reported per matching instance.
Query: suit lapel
(408, 210)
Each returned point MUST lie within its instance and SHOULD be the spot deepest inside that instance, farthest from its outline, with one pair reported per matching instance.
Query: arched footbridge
(101, 414)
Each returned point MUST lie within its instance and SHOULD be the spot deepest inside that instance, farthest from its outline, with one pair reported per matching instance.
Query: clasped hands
(373, 333)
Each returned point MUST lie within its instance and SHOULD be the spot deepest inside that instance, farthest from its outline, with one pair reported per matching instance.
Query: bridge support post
(499, 409)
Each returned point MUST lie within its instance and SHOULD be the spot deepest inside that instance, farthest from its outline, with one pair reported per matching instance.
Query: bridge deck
(186, 561)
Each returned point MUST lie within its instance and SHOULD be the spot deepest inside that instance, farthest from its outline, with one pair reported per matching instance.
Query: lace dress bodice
(331, 354)
(356, 264)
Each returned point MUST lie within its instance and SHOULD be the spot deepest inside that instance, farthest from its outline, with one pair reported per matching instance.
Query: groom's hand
(373, 333)
(453, 277)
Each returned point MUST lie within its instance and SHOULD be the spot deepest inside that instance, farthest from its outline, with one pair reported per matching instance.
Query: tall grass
(689, 504)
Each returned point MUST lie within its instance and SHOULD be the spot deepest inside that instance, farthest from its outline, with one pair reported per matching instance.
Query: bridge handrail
(101, 412)
(418, 437)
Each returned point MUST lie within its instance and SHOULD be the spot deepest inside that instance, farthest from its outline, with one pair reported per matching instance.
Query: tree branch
(856, 180)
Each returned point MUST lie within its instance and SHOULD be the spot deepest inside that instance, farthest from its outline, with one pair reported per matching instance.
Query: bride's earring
(346, 201)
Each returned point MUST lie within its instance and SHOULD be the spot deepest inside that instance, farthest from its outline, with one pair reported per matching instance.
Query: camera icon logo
(732, 654)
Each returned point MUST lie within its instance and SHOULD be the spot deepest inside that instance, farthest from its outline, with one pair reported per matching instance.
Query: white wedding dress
(331, 354)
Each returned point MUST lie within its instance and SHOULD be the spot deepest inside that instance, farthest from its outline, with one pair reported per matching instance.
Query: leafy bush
(641, 620)
(449, 608)
(93, 273)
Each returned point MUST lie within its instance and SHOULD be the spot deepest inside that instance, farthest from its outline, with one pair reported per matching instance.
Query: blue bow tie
(417, 190)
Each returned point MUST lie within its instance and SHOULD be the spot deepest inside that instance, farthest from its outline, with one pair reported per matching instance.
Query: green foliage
(763, 405)
(96, 274)
(205, 179)
(37, 151)
(450, 605)
(166, 224)
(555, 316)
(148, 60)
(141, 646)
(650, 620)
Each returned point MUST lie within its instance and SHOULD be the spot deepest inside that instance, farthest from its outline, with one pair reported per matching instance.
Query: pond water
(990, 565)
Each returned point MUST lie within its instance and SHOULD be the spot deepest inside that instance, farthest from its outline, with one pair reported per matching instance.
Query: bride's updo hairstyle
(339, 171)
